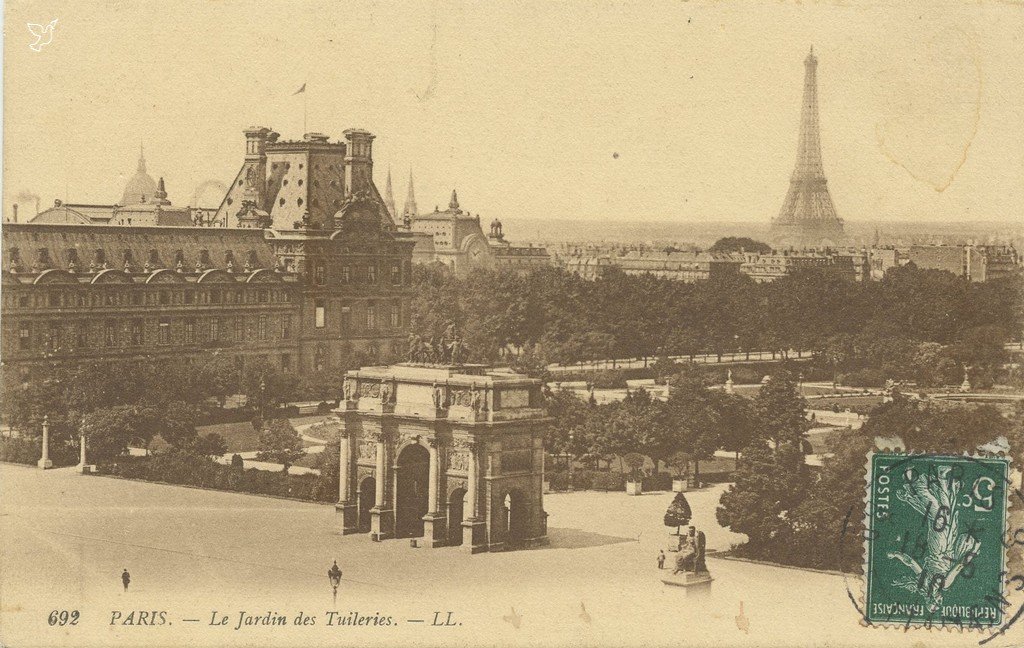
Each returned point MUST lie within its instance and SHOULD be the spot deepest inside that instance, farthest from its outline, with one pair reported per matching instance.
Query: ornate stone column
(473, 526)
(435, 522)
(346, 506)
(432, 488)
(381, 480)
(382, 517)
(471, 483)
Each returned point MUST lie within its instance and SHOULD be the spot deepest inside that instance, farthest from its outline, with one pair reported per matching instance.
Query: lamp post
(44, 460)
(263, 397)
(572, 436)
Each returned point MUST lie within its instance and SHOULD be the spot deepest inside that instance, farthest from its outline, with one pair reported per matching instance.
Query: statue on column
(347, 389)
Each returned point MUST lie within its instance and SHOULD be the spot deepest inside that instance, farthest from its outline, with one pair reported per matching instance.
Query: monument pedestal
(474, 536)
(348, 517)
(382, 524)
(696, 580)
(435, 530)
(44, 464)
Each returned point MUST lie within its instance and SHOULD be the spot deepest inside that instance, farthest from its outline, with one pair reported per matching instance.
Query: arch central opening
(411, 492)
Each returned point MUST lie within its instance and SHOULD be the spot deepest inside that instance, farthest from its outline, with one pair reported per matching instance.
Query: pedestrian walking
(661, 559)
(126, 578)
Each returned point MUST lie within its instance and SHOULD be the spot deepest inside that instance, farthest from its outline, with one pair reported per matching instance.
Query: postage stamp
(934, 550)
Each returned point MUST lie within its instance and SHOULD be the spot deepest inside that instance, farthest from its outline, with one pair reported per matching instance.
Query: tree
(695, 417)
(176, 424)
(736, 418)
(569, 414)
(109, 430)
(634, 461)
(828, 526)
(931, 427)
(217, 378)
(638, 426)
(740, 244)
(212, 445)
(279, 442)
(769, 485)
(678, 512)
(780, 411)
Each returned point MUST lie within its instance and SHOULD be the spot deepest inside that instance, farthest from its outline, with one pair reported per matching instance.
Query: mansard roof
(32, 248)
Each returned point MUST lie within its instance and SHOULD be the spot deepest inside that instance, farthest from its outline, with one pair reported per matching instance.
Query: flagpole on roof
(305, 105)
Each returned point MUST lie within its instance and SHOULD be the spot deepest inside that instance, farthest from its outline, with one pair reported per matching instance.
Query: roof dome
(141, 187)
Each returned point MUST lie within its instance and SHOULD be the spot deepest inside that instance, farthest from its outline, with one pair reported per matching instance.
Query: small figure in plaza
(334, 575)
(125, 579)
(661, 559)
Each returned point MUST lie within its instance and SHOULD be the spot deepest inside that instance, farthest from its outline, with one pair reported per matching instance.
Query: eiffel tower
(808, 217)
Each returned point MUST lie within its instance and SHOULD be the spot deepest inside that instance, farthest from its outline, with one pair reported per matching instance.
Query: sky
(652, 111)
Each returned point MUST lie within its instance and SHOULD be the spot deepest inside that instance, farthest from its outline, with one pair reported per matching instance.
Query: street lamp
(263, 391)
(572, 437)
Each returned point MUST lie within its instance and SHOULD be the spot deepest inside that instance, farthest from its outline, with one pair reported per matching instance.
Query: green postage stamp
(934, 552)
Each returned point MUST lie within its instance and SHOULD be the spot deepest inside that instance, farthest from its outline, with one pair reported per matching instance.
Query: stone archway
(412, 475)
(365, 499)
(456, 513)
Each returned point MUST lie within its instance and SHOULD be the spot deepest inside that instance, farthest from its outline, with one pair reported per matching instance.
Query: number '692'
(63, 618)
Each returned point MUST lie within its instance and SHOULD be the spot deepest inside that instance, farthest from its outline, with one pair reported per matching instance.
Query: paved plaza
(66, 538)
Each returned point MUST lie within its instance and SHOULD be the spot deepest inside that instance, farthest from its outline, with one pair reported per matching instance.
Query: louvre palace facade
(302, 293)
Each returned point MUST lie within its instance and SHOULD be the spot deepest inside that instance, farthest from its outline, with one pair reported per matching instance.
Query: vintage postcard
(456, 324)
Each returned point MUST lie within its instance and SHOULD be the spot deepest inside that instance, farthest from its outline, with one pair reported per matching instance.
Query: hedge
(657, 482)
(188, 469)
(27, 451)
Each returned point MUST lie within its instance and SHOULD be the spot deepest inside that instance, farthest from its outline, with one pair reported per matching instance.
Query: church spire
(389, 196)
(141, 168)
(410, 200)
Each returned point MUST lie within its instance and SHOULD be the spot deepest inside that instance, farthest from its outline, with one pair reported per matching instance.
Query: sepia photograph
(541, 323)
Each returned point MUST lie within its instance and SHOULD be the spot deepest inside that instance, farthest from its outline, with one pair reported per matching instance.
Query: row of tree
(118, 404)
(549, 315)
(687, 428)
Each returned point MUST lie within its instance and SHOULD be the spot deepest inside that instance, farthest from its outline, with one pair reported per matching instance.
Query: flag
(300, 90)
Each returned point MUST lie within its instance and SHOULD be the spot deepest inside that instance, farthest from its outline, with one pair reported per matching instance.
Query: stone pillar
(382, 517)
(378, 500)
(346, 506)
(432, 488)
(471, 488)
(435, 522)
(81, 452)
(44, 460)
(474, 526)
